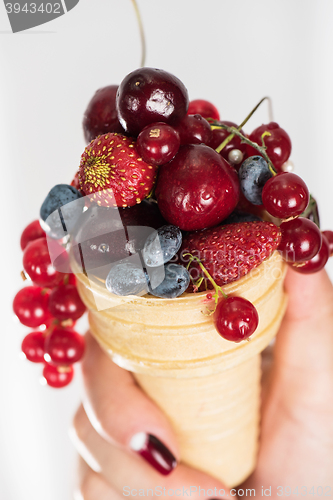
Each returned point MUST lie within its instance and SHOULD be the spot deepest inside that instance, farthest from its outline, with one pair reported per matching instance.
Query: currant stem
(230, 137)
(142, 33)
(260, 149)
(216, 287)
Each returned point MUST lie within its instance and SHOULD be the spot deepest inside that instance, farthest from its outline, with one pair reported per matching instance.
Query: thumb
(304, 345)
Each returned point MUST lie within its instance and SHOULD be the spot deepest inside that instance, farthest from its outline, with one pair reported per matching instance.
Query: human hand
(296, 447)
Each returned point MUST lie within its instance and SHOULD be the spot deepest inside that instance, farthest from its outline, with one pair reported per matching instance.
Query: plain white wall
(232, 53)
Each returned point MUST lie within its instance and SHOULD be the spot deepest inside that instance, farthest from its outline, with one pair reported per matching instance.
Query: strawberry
(112, 171)
(231, 251)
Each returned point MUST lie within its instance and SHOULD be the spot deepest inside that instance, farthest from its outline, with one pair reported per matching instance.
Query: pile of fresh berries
(168, 199)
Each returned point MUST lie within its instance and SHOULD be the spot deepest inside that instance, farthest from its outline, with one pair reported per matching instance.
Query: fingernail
(154, 452)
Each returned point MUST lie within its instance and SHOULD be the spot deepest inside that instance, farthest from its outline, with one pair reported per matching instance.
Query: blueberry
(236, 216)
(61, 210)
(126, 279)
(253, 174)
(176, 281)
(162, 245)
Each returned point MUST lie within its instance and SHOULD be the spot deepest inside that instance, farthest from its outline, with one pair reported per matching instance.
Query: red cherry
(100, 116)
(31, 306)
(236, 319)
(196, 189)
(194, 129)
(285, 195)
(33, 347)
(278, 143)
(58, 376)
(329, 237)
(64, 347)
(204, 108)
(149, 95)
(301, 240)
(158, 143)
(317, 262)
(219, 135)
(65, 303)
(32, 232)
(37, 264)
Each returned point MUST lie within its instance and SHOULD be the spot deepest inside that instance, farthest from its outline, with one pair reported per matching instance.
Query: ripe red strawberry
(229, 252)
(112, 171)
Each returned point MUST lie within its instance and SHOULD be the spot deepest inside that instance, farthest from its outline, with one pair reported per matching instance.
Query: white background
(230, 52)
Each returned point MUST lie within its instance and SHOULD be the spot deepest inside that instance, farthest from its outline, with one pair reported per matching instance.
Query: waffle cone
(208, 387)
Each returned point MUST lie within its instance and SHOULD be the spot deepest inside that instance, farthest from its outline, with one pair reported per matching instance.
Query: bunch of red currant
(51, 307)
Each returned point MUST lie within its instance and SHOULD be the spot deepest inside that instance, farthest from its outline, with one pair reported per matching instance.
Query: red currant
(204, 108)
(58, 376)
(158, 143)
(64, 347)
(301, 240)
(278, 144)
(285, 195)
(33, 231)
(194, 129)
(329, 237)
(236, 319)
(31, 306)
(65, 303)
(33, 347)
(37, 264)
(317, 262)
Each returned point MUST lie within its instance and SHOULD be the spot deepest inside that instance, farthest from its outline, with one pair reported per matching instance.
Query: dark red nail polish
(154, 452)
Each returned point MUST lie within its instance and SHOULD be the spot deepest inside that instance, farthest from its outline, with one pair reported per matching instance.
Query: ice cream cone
(207, 386)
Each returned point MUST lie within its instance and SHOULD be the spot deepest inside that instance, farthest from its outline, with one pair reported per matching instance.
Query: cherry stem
(142, 33)
(217, 288)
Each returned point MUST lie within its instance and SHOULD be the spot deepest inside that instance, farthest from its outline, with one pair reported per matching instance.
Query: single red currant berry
(278, 144)
(31, 306)
(158, 143)
(32, 232)
(65, 303)
(37, 264)
(64, 347)
(300, 241)
(58, 376)
(236, 319)
(317, 262)
(194, 129)
(285, 195)
(209, 296)
(329, 237)
(33, 347)
(204, 108)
